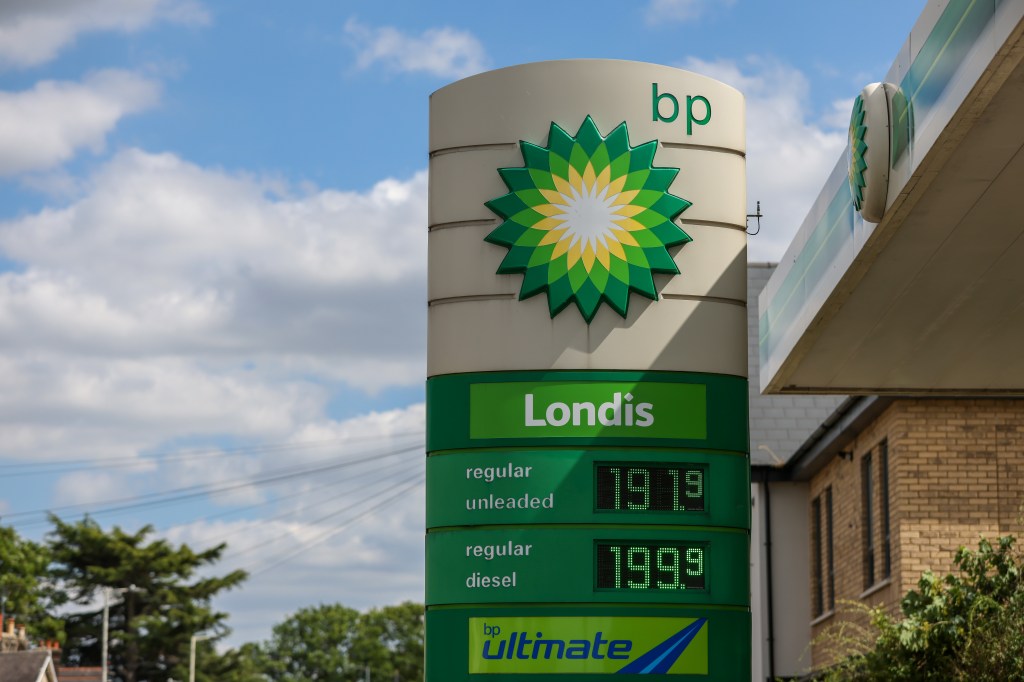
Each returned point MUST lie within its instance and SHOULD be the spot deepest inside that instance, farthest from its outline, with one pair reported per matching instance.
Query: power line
(191, 492)
(72, 465)
(292, 512)
(322, 518)
(334, 531)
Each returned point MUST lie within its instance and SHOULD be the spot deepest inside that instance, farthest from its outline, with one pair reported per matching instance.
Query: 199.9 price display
(624, 565)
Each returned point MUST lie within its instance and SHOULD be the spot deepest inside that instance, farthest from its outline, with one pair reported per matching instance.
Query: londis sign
(598, 408)
(663, 408)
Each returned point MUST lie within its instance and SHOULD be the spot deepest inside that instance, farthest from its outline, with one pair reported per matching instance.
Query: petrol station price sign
(586, 516)
(588, 480)
(638, 565)
(587, 564)
(650, 487)
(575, 485)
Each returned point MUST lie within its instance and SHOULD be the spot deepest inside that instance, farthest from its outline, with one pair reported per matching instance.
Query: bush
(968, 625)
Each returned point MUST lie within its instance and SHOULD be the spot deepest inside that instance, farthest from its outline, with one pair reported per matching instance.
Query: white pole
(108, 594)
(192, 656)
(192, 659)
(106, 621)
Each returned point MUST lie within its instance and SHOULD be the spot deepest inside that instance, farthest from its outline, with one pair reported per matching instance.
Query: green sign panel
(664, 409)
(588, 564)
(606, 486)
(547, 644)
(581, 497)
(589, 409)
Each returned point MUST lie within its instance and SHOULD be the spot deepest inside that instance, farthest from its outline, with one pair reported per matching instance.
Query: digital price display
(650, 487)
(625, 565)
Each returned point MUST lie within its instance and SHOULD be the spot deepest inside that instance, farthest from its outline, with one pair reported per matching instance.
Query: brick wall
(956, 472)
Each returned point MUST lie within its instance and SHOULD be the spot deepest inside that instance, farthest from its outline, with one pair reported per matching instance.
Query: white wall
(791, 579)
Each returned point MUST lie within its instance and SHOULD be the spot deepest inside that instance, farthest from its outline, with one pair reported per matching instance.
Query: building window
(831, 572)
(867, 496)
(819, 582)
(824, 566)
(883, 470)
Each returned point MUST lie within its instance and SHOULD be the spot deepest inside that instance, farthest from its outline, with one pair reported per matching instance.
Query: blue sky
(213, 252)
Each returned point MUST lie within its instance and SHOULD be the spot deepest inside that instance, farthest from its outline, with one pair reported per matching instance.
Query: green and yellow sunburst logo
(588, 218)
(858, 148)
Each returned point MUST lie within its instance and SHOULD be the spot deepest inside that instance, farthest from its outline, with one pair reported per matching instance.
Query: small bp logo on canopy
(858, 151)
(588, 218)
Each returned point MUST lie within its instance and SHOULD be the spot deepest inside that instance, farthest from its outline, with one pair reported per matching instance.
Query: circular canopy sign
(869, 151)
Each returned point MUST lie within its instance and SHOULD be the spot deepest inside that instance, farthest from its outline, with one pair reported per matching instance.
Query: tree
(390, 641)
(162, 602)
(26, 593)
(312, 644)
(959, 627)
(236, 665)
(336, 643)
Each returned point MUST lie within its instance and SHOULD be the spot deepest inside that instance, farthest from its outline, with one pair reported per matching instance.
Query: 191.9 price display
(642, 565)
(648, 487)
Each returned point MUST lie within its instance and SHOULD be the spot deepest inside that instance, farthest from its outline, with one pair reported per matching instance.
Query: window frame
(818, 582)
(884, 499)
(868, 520)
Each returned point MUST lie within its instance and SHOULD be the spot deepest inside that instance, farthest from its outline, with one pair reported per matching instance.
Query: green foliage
(162, 596)
(336, 643)
(390, 640)
(27, 594)
(968, 625)
(235, 665)
(163, 603)
(312, 644)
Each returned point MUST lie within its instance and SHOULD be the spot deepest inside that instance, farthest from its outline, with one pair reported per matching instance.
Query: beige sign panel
(476, 320)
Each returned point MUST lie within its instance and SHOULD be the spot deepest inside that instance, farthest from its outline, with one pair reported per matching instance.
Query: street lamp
(108, 594)
(192, 655)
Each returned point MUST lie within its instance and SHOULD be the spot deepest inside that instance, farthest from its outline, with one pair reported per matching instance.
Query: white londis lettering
(619, 411)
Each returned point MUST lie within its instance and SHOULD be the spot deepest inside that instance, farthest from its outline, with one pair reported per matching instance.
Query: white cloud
(47, 125)
(33, 32)
(791, 149)
(678, 11)
(838, 116)
(174, 300)
(328, 536)
(88, 487)
(56, 406)
(443, 52)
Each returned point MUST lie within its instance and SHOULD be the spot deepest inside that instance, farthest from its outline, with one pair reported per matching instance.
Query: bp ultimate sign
(587, 449)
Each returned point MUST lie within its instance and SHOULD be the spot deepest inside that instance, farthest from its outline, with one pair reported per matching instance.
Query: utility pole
(108, 594)
(192, 655)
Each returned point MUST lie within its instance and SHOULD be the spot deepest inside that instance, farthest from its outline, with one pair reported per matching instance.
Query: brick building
(854, 497)
(896, 486)
(889, 487)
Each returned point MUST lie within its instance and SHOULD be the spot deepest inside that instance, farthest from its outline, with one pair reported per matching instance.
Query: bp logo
(870, 146)
(858, 150)
(588, 218)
